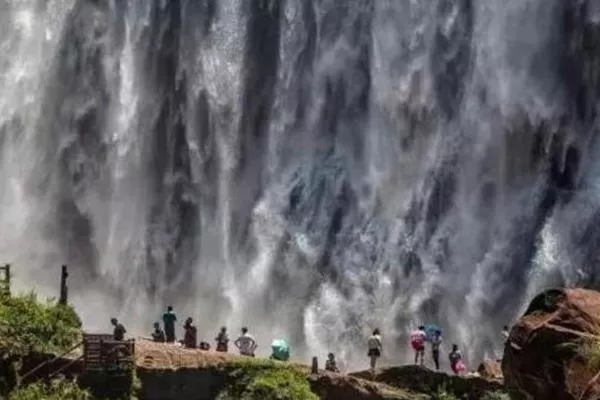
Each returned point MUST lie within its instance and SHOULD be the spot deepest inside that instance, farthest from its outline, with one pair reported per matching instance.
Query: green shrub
(59, 389)
(443, 394)
(28, 325)
(497, 395)
(267, 380)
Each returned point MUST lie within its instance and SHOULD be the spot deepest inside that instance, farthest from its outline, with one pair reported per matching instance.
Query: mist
(312, 169)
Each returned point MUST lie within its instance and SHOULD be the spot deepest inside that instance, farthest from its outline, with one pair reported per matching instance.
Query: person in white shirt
(246, 343)
(375, 347)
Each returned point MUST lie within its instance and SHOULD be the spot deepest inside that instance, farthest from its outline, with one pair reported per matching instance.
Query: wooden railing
(32, 371)
(102, 353)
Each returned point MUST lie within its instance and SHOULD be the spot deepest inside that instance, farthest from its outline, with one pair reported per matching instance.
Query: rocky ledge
(170, 372)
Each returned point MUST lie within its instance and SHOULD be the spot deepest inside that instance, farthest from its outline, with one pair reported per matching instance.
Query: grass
(267, 380)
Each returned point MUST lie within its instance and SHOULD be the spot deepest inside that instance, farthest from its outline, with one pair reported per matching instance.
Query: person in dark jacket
(222, 340)
(190, 338)
(169, 319)
(119, 330)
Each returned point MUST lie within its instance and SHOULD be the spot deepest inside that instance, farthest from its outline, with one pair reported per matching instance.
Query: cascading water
(312, 169)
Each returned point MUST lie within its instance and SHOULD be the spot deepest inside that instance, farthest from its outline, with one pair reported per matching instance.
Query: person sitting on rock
(417, 341)
(330, 364)
(375, 347)
(222, 340)
(456, 363)
(190, 338)
(158, 335)
(119, 330)
(246, 343)
(436, 342)
(169, 319)
(205, 346)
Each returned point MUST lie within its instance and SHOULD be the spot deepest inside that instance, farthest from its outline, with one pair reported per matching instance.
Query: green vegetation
(267, 380)
(443, 394)
(496, 396)
(28, 325)
(590, 351)
(59, 389)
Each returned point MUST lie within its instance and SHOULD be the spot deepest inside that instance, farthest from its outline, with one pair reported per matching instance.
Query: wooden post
(315, 366)
(63, 286)
(5, 282)
(7, 278)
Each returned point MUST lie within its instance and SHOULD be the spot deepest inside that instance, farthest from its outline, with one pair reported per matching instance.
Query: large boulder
(543, 358)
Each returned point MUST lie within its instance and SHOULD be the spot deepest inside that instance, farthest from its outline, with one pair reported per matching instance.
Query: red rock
(542, 357)
(490, 369)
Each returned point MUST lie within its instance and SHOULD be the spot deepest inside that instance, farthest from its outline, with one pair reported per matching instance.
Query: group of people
(418, 340)
(246, 344)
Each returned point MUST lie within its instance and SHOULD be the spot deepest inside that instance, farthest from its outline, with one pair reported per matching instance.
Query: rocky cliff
(169, 372)
(549, 349)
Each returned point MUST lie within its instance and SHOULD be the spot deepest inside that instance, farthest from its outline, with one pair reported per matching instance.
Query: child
(330, 364)
(417, 341)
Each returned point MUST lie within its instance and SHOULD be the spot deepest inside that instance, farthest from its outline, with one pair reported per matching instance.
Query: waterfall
(312, 169)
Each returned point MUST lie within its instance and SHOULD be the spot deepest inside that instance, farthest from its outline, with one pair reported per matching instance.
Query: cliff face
(170, 372)
(546, 356)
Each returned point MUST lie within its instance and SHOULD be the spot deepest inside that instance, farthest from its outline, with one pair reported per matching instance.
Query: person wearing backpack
(417, 341)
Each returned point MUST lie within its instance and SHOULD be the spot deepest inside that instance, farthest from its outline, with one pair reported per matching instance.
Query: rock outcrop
(490, 370)
(169, 372)
(422, 380)
(542, 358)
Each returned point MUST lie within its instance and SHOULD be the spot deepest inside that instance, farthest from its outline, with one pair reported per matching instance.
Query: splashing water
(311, 169)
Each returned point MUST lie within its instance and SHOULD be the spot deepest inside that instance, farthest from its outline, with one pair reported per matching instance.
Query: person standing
(222, 340)
(190, 338)
(436, 342)
(375, 348)
(456, 363)
(505, 335)
(169, 319)
(246, 343)
(119, 330)
(417, 341)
